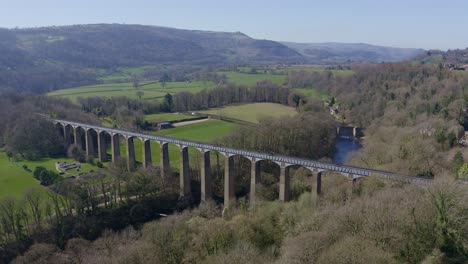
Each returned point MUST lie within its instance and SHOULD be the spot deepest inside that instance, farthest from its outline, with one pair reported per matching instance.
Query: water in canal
(345, 145)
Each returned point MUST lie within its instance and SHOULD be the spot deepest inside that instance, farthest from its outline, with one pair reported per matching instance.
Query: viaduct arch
(73, 131)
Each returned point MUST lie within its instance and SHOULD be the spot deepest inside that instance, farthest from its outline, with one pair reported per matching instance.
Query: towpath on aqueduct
(72, 134)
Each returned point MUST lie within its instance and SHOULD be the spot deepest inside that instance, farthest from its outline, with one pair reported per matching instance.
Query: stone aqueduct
(73, 130)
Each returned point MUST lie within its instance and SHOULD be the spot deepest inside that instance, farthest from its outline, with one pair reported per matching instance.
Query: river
(345, 145)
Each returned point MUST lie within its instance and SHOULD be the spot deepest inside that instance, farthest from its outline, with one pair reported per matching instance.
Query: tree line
(380, 224)
(413, 114)
(82, 207)
(26, 135)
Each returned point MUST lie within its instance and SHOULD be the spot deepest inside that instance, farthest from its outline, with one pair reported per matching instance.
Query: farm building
(164, 125)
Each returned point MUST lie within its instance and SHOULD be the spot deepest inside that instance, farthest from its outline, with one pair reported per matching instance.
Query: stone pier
(350, 187)
(115, 145)
(66, 135)
(89, 143)
(131, 163)
(102, 153)
(316, 189)
(284, 183)
(319, 183)
(77, 137)
(184, 172)
(229, 190)
(146, 153)
(205, 175)
(164, 159)
(254, 178)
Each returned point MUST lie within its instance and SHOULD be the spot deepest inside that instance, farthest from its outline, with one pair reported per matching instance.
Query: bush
(17, 157)
(90, 160)
(300, 183)
(99, 164)
(37, 172)
(463, 172)
(25, 167)
(370, 185)
(46, 177)
(38, 253)
(76, 153)
(355, 250)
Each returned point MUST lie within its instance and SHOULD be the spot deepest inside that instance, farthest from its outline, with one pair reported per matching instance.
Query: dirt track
(189, 122)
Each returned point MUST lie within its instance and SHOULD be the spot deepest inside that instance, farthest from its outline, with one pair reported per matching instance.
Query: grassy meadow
(252, 79)
(123, 73)
(251, 112)
(49, 163)
(311, 68)
(207, 131)
(309, 92)
(14, 180)
(167, 117)
(155, 90)
(150, 90)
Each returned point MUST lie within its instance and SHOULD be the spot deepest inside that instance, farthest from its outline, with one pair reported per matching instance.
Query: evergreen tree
(463, 172)
(457, 162)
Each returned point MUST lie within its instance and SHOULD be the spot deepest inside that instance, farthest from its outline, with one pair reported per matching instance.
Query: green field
(108, 122)
(167, 117)
(155, 90)
(252, 79)
(207, 131)
(310, 68)
(251, 112)
(14, 180)
(150, 90)
(312, 93)
(123, 73)
(49, 163)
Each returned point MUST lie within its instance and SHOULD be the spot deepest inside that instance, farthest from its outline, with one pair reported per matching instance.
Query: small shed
(164, 125)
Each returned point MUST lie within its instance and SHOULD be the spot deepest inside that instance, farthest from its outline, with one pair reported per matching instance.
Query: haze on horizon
(417, 24)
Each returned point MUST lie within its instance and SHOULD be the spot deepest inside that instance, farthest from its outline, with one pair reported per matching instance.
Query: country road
(189, 122)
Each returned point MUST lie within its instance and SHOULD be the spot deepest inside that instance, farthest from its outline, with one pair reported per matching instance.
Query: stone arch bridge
(72, 132)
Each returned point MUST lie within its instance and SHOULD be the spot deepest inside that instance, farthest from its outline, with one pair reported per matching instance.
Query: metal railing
(355, 172)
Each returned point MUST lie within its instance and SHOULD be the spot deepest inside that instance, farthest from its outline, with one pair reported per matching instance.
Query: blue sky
(400, 23)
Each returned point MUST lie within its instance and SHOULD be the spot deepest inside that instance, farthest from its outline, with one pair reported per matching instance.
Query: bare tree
(33, 198)
(135, 82)
(140, 94)
(9, 217)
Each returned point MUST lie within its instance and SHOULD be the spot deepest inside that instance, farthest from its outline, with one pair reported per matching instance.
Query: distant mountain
(48, 58)
(108, 45)
(332, 53)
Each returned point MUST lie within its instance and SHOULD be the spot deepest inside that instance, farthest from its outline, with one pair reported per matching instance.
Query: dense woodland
(413, 115)
(381, 224)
